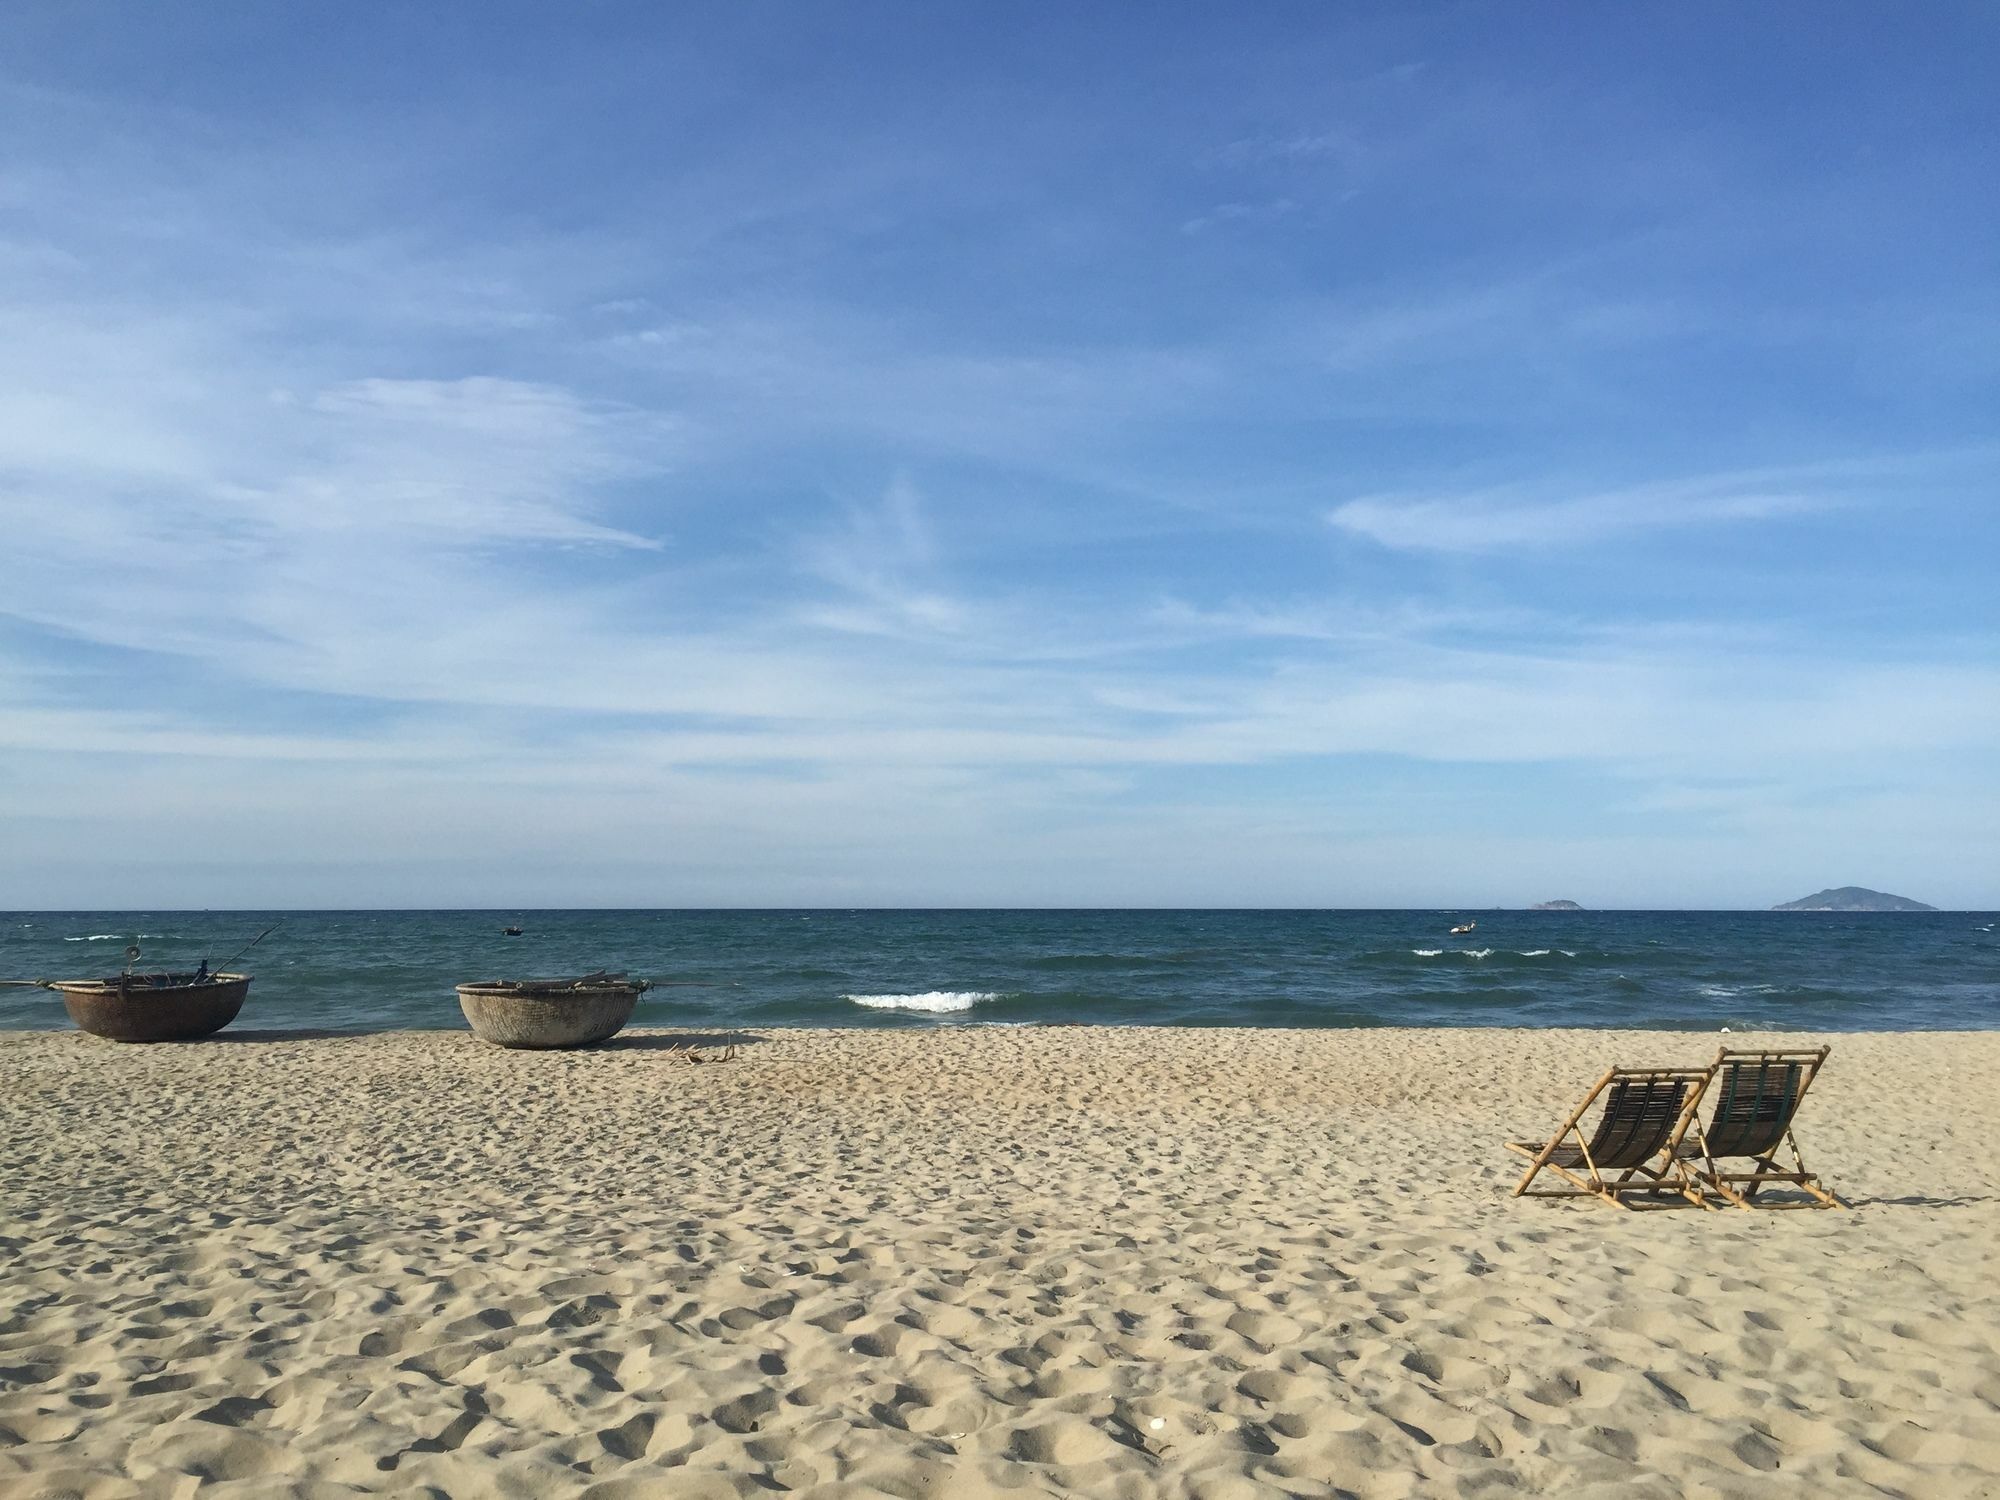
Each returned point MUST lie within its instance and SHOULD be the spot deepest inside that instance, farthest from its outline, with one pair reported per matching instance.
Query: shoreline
(919, 1024)
(970, 1260)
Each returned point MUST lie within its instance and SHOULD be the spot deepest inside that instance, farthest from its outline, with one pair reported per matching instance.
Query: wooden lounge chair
(1756, 1095)
(1646, 1112)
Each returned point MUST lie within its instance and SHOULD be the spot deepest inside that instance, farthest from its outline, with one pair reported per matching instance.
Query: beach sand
(970, 1262)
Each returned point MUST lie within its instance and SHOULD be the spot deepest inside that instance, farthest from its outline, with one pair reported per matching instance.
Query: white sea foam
(97, 937)
(938, 1001)
(1534, 953)
(1477, 952)
(1717, 991)
(1427, 952)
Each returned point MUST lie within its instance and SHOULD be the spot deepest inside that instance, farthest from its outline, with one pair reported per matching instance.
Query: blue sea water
(363, 970)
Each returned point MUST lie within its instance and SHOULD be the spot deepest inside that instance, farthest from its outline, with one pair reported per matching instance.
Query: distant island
(1854, 898)
(1555, 906)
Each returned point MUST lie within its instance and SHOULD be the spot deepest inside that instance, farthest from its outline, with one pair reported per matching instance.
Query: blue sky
(938, 455)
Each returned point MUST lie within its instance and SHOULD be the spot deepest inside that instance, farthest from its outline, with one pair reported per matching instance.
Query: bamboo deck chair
(1756, 1096)
(1646, 1112)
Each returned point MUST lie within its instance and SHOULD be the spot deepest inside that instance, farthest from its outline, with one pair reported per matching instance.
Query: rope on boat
(246, 947)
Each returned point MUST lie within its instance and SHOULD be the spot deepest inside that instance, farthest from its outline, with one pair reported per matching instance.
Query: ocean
(374, 970)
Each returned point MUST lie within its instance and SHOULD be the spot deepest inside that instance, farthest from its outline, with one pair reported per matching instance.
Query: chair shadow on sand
(680, 1041)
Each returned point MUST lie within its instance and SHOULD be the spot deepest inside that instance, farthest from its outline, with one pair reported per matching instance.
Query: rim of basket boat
(551, 989)
(118, 983)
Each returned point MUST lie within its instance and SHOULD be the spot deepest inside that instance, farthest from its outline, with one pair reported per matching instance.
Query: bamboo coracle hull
(546, 1016)
(153, 1007)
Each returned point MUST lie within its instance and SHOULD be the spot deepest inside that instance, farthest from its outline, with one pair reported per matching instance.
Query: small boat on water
(543, 1014)
(510, 932)
(165, 1007)
(1463, 928)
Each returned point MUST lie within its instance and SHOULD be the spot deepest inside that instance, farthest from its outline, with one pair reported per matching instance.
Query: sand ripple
(967, 1263)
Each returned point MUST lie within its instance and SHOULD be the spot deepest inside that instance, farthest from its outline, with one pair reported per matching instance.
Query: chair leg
(1802, 1179)
(1659, 1182)
(1656, 1181)
(1713, 1181)
(1592, 1186)
(1557, 1139)
(1809, 1182)
(1750, 1192)
(1543, 1162)
(1688, 1188)
(1528, 1176)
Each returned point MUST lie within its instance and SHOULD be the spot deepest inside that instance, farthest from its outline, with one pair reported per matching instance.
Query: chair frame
(1669, 1176)
(1764, 1168)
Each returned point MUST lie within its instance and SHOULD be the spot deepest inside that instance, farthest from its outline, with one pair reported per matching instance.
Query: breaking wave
(1507, 956)
(938, 1002)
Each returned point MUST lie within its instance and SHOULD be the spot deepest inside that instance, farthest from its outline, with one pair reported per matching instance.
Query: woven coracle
(540, 1014)
(153, 1007)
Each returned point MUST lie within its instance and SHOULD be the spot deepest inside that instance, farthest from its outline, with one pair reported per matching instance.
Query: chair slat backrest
(1757, 1093)
(1639, 1116)
(1754, 1106)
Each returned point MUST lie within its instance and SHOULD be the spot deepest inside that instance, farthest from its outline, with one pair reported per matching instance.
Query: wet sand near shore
(970, 1261)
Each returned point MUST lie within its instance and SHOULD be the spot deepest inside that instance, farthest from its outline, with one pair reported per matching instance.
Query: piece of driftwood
(153, 1007)
(546, 1014)
(691, 1051)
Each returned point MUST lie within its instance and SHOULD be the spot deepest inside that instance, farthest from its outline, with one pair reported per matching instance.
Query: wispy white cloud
(374, 528)
(1520, 517)
(320, 521)
(812, 374)
(1240, 213)
(1347, 622)
(1340, 145)
(881, 562)
(478, 460)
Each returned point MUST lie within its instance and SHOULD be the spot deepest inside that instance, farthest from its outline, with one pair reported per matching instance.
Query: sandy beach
(970, 1262)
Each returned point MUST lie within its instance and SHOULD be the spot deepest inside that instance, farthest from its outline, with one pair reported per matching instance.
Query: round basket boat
(153, 1007)
(547, 1013)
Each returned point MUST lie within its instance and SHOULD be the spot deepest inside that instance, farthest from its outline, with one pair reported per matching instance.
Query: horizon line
(1782, 908)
